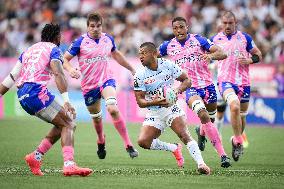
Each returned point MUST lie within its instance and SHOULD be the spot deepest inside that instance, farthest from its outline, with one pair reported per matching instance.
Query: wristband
(255, 58)
(65, 97)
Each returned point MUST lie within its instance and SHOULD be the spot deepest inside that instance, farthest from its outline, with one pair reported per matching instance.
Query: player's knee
(235, 108)
(113, 110)
(143, 143)
(221, 108)
(203, 116)
(97, 117)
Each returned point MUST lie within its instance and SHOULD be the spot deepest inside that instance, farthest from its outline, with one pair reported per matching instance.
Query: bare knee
(113, 110)
(204, 117)
(143, 143)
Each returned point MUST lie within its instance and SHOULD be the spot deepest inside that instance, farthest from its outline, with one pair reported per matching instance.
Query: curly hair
(50, 32)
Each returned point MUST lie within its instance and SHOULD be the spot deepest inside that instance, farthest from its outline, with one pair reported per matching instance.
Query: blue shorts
(94, 95)
(243, 92)
(34, 97)
(208, 94)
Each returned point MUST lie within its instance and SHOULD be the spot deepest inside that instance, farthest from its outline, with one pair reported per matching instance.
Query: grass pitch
(262, 165)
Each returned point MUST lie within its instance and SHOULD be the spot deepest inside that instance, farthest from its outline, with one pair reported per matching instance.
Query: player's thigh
(179, 125)
(192, 99)
(95, 107)
(148, 133)
(108, 91)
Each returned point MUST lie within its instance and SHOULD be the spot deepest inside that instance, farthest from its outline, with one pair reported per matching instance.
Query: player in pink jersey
(33, 71)
(193, 53)
(94, 50)
(233, 75)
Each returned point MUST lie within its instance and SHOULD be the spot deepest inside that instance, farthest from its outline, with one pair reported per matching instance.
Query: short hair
(94, 16)
(229, 14)
(50, 32)
(179, 18)
(149, 45)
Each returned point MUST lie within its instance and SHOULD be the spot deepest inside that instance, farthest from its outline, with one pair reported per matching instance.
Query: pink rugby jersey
(36, 60)
(93, 56)
(187, 56)
(236, 45)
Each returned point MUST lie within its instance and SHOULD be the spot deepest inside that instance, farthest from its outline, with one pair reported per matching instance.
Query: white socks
(194, 151)
(160, 145)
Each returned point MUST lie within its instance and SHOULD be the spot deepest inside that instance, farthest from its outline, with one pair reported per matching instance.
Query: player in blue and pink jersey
(94, 49)
(233, 75)
(32, 72)
(149, 81)
(193, 53)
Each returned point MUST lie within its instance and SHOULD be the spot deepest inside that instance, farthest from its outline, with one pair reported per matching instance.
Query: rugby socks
(68, 155)
(44, 146)
(100, 132)
(195, 153)
(160, 145)
(238, 139)
(120, 126)
(212, 133)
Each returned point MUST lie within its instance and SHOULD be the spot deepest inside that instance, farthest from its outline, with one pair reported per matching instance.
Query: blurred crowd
(133, 21)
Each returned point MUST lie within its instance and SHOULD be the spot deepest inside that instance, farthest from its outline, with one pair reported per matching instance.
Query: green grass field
(262, 165)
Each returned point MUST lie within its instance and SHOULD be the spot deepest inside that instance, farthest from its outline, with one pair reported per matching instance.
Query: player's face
(228, 25)
(95, 29)
(180, 30)
(146, 56)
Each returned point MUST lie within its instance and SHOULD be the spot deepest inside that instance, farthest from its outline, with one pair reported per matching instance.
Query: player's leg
(207, 128)
(96, 114)
(109, 94)
(178, 125)
(244, 111)
(229, 95)
(221, 108)
(148, 138)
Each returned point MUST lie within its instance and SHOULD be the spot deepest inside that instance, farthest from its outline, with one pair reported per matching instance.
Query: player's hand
(70, 111)
(74, 73)
(206, 57)
(162, 102)
(244, 61)
(133, 72)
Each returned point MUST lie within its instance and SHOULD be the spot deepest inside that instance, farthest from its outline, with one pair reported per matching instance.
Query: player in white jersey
(32, 73)
(149, 84)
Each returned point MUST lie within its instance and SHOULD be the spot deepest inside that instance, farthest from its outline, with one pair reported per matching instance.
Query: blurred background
(132, 22)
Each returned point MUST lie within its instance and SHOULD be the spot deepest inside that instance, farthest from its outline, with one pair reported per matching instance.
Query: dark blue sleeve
(163, 48)
(56, 53)
(21, 57)
(212, 38)
(74, 48)
(204, 42)
(113, 43)
(250, 43)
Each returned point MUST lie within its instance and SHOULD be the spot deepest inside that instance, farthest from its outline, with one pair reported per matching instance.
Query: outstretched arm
(11, 78)
(117, 55)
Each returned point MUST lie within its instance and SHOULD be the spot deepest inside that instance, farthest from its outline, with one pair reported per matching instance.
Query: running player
(93, 50)
(193, 53)
(233, 75)
(32, 72)
(148, 84)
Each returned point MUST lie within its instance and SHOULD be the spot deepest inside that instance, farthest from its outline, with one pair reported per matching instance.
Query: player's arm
(74, 72)
(143, 103)
(216, 53)
(9, 81)
(61, 83)
(185, 83)
(256, 55)
(117, 55)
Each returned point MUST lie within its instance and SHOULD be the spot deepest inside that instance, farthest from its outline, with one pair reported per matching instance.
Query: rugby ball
(170, 95)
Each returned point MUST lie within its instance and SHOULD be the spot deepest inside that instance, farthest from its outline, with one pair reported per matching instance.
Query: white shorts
(163, 117)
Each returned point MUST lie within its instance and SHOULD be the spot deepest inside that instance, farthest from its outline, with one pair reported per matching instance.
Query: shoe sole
(235, 158)
(81, 173)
